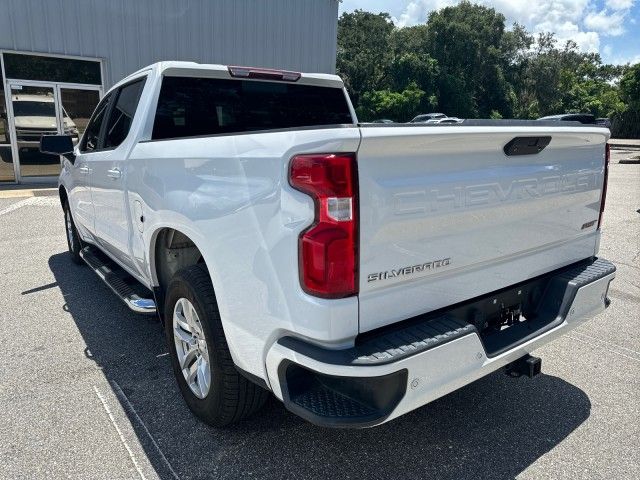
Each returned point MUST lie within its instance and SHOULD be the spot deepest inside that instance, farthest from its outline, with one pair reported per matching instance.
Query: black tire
(231, 396)
(73, 239)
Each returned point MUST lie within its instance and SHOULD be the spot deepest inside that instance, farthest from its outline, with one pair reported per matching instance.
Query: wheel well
(173, 251)
(63, 195)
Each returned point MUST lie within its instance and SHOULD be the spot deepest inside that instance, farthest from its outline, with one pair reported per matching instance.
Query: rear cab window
(191, 106)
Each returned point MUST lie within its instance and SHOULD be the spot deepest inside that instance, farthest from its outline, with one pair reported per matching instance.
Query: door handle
(84, 169)
(114, 173)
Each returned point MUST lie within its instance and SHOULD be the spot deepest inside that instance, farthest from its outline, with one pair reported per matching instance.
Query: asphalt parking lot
(87, 390)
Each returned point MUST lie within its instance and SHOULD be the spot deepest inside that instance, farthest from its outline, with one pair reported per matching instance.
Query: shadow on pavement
(493, 428)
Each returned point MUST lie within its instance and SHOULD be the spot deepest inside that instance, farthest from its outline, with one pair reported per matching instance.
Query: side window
(122, 113)
(92, 133)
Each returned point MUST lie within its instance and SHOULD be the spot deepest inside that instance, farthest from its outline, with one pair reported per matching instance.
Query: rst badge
(404, 271)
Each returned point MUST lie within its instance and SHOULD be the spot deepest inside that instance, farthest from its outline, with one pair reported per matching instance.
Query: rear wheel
(206, 375)
(73, 240)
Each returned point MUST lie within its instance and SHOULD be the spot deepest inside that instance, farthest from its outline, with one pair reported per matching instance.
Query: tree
(626, 124)
(398, 106)
(630, 87)
(464, 62)
(466, 41)
(364, 51)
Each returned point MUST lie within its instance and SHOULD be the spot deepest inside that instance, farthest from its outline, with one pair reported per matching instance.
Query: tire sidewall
(181, 287)
(76, 246)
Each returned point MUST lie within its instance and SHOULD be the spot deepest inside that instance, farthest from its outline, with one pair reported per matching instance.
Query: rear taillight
(607, 156)
(328, 249)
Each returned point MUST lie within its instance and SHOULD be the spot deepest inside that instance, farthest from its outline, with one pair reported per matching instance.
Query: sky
(610, 27)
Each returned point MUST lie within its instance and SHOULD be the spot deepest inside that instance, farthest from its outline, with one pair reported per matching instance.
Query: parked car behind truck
(34, 116)
(357, 272)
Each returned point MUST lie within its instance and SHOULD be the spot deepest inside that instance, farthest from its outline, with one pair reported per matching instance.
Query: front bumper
(417, 362)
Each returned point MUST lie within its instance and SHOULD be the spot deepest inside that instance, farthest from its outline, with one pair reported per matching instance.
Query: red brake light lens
(607, 157)
(264, 73)
(328, 250)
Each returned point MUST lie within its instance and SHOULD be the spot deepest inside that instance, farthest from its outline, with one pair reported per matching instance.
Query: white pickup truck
(355, 271)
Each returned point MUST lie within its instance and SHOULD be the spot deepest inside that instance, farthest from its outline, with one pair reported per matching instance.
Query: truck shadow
(493, 428)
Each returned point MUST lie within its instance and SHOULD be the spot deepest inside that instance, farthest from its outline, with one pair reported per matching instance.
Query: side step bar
(116, 280)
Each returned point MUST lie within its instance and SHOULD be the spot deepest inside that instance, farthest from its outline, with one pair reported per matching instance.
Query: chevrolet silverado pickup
(356, 271)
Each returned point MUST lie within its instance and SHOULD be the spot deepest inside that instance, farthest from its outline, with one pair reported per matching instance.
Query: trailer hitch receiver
(527, 365)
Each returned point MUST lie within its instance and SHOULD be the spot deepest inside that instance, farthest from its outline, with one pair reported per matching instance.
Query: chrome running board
(116, 280)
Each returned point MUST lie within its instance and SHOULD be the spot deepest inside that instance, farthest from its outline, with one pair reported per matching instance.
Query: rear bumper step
(434, 353)
(119, 281)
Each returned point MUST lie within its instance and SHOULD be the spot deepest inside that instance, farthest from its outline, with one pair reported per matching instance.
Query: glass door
(76, 106)
(7, 173)
(34, 112)
(40, 108)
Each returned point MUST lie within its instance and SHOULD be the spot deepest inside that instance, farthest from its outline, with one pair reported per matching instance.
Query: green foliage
(464, 62)
(630, 87)
(465, 41)
(364, 51)
(393, 105)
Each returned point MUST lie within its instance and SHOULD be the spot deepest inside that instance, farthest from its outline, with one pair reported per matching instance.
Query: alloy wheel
(191, 347)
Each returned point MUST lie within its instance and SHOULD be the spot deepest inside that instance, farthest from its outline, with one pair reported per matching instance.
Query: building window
(51, 69)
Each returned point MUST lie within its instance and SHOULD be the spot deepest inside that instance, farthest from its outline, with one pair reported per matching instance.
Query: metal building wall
(129, 34)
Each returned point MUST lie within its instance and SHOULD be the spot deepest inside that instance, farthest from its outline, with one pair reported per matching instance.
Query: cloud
(623, 60)
(620, 4)
(577, 20)
(605, 22)
(417, 11)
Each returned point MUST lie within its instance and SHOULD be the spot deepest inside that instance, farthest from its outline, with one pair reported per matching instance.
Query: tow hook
(527, 365)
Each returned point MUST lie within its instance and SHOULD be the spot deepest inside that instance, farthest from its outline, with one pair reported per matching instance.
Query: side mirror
(58, 145)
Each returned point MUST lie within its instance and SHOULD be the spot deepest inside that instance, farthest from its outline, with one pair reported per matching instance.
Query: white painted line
(115, 425)
(31, 201)
(16, 206)
(122, 396)
(595, 345)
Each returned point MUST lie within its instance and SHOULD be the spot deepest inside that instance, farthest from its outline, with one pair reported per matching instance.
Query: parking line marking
(595, 345)
(16, 206)
(39, 201)
(121, 394)
(122, 439)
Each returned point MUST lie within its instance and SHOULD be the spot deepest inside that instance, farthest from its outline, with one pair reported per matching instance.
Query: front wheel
(73, 240)
(208, 380)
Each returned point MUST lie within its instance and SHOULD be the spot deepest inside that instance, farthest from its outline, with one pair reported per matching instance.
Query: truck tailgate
(446, 215)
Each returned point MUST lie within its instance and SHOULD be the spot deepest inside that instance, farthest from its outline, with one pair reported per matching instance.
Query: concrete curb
(27, 192)
(624, 146)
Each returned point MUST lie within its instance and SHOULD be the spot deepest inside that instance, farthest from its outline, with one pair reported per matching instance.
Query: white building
(59, 57)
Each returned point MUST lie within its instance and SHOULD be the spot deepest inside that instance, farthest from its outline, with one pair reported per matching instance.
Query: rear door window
(189, 107)
(122, 113)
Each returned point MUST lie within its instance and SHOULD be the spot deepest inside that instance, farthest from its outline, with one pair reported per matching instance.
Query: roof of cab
(222, 71)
